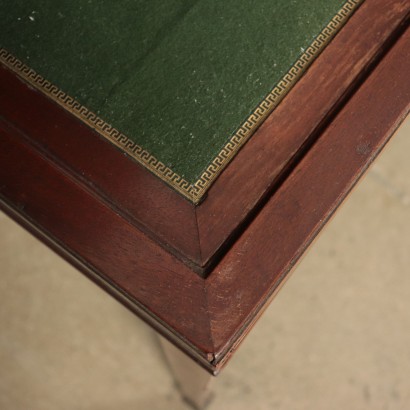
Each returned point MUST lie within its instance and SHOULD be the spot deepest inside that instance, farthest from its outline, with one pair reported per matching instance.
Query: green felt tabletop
(177, 77)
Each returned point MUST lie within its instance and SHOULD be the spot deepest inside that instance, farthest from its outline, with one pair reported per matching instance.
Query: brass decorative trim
(193, 192)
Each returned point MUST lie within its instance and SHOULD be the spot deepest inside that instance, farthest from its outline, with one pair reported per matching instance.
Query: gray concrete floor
(337, 336)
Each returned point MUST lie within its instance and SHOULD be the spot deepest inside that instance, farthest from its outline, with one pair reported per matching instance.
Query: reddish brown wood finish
(70, 216)
(207, 318)
(296, 121)
(196, 234)
(277, 237)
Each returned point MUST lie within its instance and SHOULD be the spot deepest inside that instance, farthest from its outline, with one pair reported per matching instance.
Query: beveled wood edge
(183, 227)
(128, 264)
(358, 141)
(215, 286)
(125, 299)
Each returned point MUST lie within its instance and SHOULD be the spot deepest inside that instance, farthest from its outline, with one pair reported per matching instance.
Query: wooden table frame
(202, 274)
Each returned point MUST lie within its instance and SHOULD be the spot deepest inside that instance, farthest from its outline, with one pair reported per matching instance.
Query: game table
(185, 154)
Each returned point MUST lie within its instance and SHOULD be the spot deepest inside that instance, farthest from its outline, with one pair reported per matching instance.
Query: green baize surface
(177, 77)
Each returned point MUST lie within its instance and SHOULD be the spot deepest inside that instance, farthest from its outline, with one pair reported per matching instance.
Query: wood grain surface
(262, 257)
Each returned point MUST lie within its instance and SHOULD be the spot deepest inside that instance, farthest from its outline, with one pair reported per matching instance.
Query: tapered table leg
(193, 382)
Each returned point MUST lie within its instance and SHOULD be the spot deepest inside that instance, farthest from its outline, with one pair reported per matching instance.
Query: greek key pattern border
(98, 124)
(273, 99)
(193, 192)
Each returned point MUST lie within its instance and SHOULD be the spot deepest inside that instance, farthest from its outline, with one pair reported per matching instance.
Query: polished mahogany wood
(259, 261)
(198, 235)
(206, 317)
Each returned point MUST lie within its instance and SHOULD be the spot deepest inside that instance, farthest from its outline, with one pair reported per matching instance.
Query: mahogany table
(196, 240)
